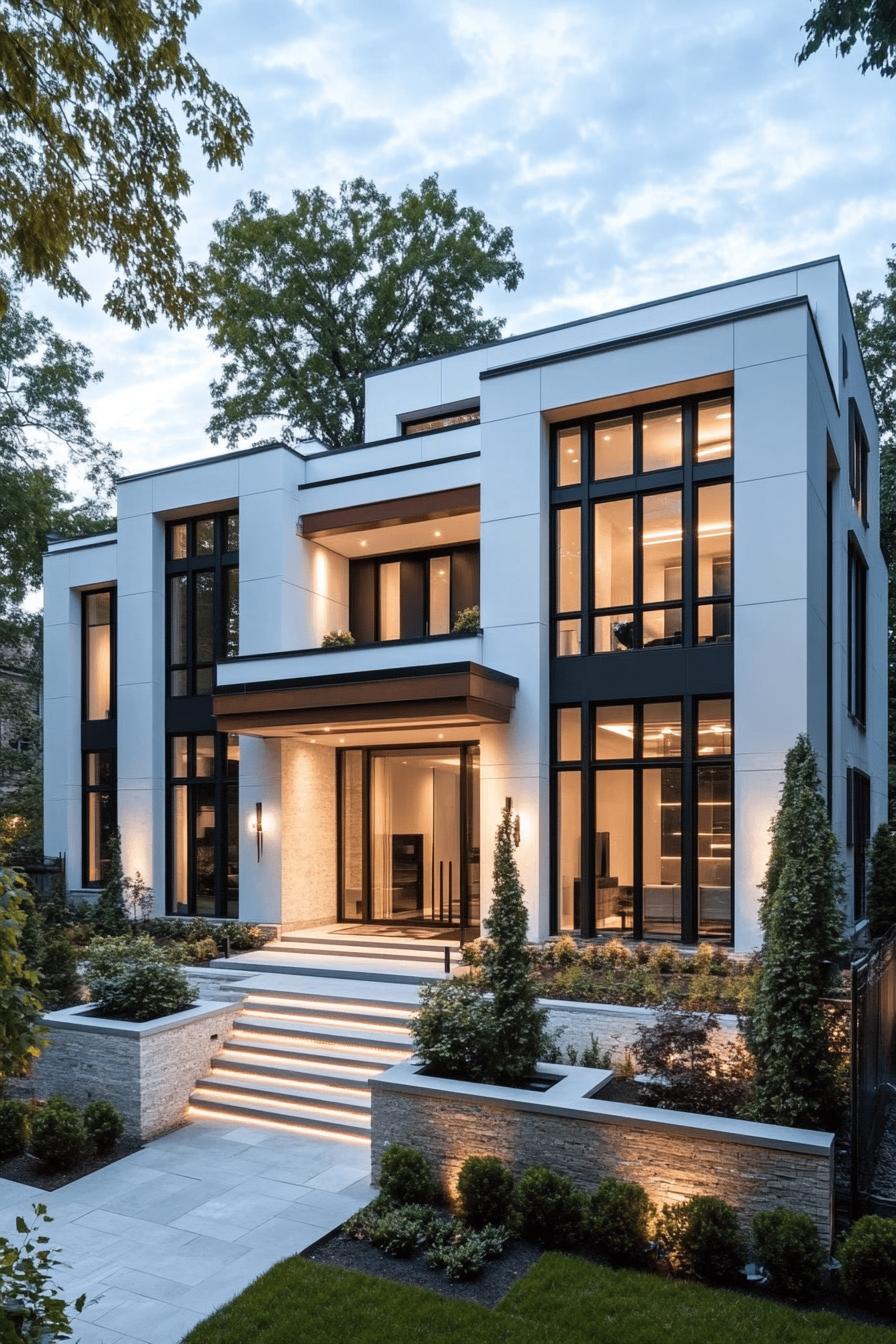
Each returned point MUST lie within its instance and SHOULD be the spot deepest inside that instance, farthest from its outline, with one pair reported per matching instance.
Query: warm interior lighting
(362, 543)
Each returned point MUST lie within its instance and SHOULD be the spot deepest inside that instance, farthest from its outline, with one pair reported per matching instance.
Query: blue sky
(636, 149)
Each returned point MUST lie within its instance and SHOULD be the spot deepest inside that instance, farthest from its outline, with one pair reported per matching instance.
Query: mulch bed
(495, 1281)
(29, 1172)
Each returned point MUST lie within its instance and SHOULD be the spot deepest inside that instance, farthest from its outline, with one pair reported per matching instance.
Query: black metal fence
(873, 1072)
(42, 872)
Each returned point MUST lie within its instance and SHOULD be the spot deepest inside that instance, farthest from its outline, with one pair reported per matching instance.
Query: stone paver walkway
(162, 1238)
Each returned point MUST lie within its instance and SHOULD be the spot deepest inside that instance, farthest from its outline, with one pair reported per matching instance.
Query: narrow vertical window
(97, 616)
(568, 580)
(99, 815)
(613, 448)
(568, 457)
(568, 785)
(857, 636)
(714, 563)
(440, 595)
(661, 554)
(614, 575)
(714, 421)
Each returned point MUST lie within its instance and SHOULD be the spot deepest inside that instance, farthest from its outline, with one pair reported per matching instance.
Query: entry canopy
(449, 695)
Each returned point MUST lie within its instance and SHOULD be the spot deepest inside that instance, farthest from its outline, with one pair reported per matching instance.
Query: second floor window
(642, 529)
(857, 632)
(98, 650)
(203, 600)
(858, 462)
(412, 595)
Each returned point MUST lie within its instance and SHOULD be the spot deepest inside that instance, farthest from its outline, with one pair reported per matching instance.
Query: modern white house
(658, 530)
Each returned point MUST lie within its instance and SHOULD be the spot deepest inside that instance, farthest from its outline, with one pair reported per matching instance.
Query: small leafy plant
(789, 1251)
(701, 1238)
(461, 1252)
(551, 1210)
(466, 622)
(485, 1192)
(337, 639)
(135, 980)
(406, 1176)
(395, 1230)
(103, 1125)
(28, 1294)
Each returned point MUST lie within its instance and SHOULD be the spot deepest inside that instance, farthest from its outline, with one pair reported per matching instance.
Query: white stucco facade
(779, 342)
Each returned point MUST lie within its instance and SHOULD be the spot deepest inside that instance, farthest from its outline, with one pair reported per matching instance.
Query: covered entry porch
(377, 784)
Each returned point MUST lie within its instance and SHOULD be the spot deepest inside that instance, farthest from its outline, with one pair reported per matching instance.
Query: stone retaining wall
(672, 1154)
(146, 1069)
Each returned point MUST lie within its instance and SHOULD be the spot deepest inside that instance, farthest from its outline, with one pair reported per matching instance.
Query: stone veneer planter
(146, 1069)
(673, 1154)
(615, 1026)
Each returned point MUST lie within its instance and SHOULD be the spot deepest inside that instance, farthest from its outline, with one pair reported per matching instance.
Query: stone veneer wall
(614, 1026)
(308, 840)
(672, 1155)
(146, 1069)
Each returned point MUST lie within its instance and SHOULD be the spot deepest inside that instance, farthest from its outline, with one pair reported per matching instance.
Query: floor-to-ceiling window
(642, 673)
(412, 595)
(202, 622)
(409, 834)
(98, 733)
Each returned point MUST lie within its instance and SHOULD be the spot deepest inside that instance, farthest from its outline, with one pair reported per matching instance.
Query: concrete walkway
(162, 1238)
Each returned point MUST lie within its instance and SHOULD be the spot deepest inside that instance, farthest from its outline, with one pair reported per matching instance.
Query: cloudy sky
(636, 149)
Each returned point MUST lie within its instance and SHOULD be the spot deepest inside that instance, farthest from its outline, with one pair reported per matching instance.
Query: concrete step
(316, 1054)
(301, 1072)
(333, 1012)
(374, 949)
(283, 961)
(347, 1038)
(308, 1119)
(289, 1092)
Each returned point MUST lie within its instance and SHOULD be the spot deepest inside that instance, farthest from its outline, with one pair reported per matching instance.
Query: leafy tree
(303, 303)
(875, 316)
(843, 23)
(507, 967)
(21, 1036)
(21, 800)
(802, 920)
(90, 152)
(108, 915)
(882, 881)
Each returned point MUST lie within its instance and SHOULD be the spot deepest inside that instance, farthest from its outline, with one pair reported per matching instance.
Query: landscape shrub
(103, 1125)
(485, 1191)
(406, 1176)
(14, 1116)
(562, 951)
(133, 979)
(702, 1238)
(21, 1034)
(591, 1056)
(202, 950)
(461, 1252)
(337, 639)
(666, 959)
(687, 1071)
(619, 1220)
(243, 937)
(60, 983)
(881, 898)
(454, 1030)
(58, 1136)
(466, 622)
(868, 1263)
(787, 1247)
(396, 1230)
(551, 1210)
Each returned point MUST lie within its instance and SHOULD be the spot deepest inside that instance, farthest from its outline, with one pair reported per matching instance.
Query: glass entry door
(409, 844)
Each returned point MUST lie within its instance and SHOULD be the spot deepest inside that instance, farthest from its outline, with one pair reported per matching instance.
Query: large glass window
(99, 815)
(648, 496)
(658, 862)
(412, 595)
(203, 830)
(97, 615)
(203, 600)
(857, 632)
(858, 462)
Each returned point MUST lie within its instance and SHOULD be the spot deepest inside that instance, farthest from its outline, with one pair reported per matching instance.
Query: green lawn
(562, 1298)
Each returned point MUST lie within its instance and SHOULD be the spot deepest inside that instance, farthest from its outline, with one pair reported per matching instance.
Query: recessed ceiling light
(437, 533)
(607, 438)
(326, 730)
(362, 543)
(342, 739)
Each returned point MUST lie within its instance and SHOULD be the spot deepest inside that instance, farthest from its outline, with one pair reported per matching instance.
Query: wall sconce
(508, 803)
(259, 833)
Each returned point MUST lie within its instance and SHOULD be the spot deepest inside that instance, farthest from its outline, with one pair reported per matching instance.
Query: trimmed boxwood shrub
(13, 1127)
(868, 1260)
(103, 1124)
(619, 1220)
(58, 1136)
(485, 1191)
(406, 1176)
(788, 1249)
(702, 1238)
(551, 1210)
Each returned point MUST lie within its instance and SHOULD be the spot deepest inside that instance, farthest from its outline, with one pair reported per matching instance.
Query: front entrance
(409, 835)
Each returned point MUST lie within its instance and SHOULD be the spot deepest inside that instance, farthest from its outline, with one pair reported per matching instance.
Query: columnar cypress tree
(507, 968)
(882, 881)
(802, 922)
(109, 914)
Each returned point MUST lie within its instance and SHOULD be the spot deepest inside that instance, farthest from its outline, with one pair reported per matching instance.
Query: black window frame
(112, 592)
(856, 633)
(688, 762)
(88, 791)
(637, 485)
(221, 784)
(858, 836)
(428, 424)
(423, 555)
(859, 452)
(218, 562)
